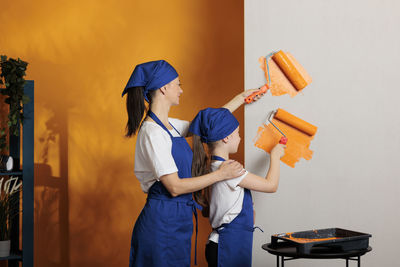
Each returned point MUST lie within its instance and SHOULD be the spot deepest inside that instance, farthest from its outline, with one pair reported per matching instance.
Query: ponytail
(201, 166)
(135, 107)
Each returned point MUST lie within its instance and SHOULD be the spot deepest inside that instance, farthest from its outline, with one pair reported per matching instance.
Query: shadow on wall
(52, 229)
(80, 194)
(51, 201)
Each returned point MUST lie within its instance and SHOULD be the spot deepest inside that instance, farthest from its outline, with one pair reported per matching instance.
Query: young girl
(228, 202)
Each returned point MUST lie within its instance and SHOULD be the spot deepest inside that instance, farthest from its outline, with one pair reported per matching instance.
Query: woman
(163, 160)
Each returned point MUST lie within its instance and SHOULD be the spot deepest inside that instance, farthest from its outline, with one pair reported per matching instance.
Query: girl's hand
(230, 169)
(278, 151)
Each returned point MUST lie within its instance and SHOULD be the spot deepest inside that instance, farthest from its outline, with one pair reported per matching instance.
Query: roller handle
(250, 98)
(283, 140)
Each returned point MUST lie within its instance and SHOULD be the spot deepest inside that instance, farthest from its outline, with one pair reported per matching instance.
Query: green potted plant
(9, 195)
(12, 84)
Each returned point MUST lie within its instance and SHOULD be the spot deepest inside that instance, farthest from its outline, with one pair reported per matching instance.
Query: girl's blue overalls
(235, 241)
(162, 233)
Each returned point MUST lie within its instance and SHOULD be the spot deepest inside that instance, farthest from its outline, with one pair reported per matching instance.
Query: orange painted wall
(80, 55)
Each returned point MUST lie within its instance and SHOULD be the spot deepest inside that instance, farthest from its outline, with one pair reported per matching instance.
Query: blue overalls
(162, 233)
(235, 242)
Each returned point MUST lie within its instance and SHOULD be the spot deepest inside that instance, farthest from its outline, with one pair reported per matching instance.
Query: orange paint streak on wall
(297, 146)
(81, 54)
(280, 84)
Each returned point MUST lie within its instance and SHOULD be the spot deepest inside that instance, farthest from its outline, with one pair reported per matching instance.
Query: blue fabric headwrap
(213, 124)
(151, 75)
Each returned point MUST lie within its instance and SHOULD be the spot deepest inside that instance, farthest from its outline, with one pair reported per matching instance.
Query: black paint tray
(306, 241)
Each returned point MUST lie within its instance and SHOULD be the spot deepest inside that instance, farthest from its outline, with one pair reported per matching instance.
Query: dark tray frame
(349, 240)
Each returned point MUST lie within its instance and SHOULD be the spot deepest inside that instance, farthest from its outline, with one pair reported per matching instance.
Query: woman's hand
(230, 169)
(278, 151)
(248, 92)
(238, 100)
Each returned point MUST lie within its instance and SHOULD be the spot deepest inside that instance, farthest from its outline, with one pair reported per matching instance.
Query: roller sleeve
(290, 71)
(295, 122)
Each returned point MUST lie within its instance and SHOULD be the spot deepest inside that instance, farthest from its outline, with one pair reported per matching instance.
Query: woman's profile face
(173, 91)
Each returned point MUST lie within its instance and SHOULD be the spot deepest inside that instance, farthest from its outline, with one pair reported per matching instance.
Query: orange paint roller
(288, 68)
(292, 121)
(284, 139)
(299, 134)
(290, 71)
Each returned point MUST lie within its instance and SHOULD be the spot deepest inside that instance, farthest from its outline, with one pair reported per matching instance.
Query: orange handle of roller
(251, 97)
(295, 122)
(283, 140)
(290, 71)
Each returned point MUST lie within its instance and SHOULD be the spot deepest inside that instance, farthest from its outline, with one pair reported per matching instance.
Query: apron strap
(195, 206)
(157, 120)
(213, 157)
(175, 129)
(256, 227)
(235, 226)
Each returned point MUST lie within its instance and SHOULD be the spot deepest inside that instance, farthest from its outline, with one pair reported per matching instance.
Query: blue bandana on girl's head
(213, 124)
(151, 75)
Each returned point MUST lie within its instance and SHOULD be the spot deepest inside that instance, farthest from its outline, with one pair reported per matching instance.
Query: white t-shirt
(226, 201)
(153, 152)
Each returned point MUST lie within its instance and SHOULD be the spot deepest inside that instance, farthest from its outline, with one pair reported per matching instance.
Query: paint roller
(261, 91)
(293, 121)
(290, 71)
(288, 68)
(284, 139)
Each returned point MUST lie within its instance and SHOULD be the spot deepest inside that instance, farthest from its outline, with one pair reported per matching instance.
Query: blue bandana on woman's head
(151, 75)
(213, 124)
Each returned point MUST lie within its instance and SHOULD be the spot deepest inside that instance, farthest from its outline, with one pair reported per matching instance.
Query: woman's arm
(176, 186)
(270, 183)
(238, 100)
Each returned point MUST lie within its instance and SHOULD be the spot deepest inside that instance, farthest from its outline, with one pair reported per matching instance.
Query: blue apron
(235, 242)
(162, 233)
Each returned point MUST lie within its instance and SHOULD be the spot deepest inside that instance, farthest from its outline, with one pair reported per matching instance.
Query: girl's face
(234, 141)
(173, 91)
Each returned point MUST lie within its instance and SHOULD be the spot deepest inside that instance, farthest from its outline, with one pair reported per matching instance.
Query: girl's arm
(238, 100)
(176, 186)
(270, 183)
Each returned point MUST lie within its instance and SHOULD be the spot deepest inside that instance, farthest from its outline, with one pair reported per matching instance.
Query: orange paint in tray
(308, 240)
(299, 134)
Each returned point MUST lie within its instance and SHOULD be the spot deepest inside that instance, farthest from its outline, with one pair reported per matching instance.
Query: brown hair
(201, 166)
(136, 107)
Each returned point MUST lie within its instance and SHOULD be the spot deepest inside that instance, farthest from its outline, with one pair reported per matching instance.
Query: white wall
(352, 51)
